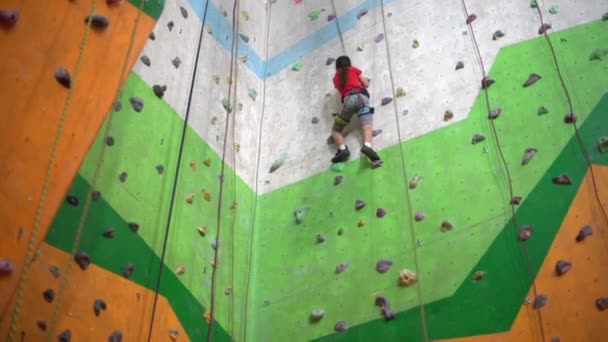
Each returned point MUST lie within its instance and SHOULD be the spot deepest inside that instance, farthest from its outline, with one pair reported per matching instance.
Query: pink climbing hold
(419, 216)
(112, 2)
(298, 1)
(494, 113)
(525, 232)
(9, 17)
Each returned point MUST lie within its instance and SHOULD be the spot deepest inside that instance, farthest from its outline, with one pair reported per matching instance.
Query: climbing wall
(201, 204)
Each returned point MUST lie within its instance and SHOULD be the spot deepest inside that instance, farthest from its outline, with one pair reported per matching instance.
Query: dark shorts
(354, 103)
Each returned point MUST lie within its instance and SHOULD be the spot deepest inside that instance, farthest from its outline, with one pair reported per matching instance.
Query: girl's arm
(364, 81)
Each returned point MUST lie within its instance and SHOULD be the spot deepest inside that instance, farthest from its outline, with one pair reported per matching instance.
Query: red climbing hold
(112, 2)
(8, 18)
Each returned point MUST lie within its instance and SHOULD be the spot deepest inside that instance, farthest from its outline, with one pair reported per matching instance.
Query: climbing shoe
(341, 156)
(372, 155)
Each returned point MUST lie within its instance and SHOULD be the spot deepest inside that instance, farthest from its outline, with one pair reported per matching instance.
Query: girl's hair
(342, 64)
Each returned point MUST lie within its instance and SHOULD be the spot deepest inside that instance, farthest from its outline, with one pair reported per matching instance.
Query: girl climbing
(352, 86)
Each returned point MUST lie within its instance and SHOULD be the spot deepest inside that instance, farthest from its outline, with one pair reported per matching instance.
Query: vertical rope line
(333, 5)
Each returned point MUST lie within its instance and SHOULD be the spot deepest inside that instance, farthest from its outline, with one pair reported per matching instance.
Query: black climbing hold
(137, 103)
(62, 75)
(361, 13)
(337, 180)
(83, 260)
(128, 270)
(459, 65)
(48, 295)
(8, 18)
(540, 301)
(376, 132)
(602, 144)
(146, 60)
(562, 179)
(95, 195)
(65, 336)
(477, 276)
(159, 91)
(109, 233)
(494, 113)
(340, 231)
(320, 238)
(41, 324)
(382, 266)
(570, 118)
(516, 200)
(123, 177)
(315, 120)
(544, 28)
(446, 226)
(471, 18)
(477, 138)
(6, 266)
(98, 306)
(386, 101)
(330, 61)
(170, 25)
(542, 110)
(98, 21)
(380, 212)
(605, 16)
(562, 266)
(152, 36)
(55, 271)
(533, 78)
(584, 232)
(73, 200)
(486, 82)
(525, 233)
(386, 308)
(498, 34)
(184, 12)
(160, 169)
(176, 62)
(133, 226)
(116, 336)
(601, 303)
(528, 155)
(341, 267)
(110, 141)
(359, 204)
(331, 17)
(341, 326)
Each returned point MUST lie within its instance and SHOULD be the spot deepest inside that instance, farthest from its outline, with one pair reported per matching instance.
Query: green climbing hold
(338, 167)
(314, 15)
(253, 94)
(533, 4)
(605, 16)
(300, 213)
(244, 37)
(598, 54)
(226, 105)
(542, 110)
(602, 144)
(554, 9)
(297, 66)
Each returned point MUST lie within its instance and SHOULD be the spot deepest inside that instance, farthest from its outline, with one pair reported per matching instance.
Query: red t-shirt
(352, 80)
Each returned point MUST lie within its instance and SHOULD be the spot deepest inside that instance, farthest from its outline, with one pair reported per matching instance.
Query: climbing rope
(180, 153)
(574, 124)
(506, 168)
(405, 179)
(45, 185)
(333, 5)
(221, 190)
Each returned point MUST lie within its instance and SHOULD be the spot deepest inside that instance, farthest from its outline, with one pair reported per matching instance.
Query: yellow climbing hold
(216, 79)
(237, 147)
(400, 92)
(361, 47)
(448, 115)
(209, 29)
(193, 164)
(202, 230)
(361, 223)
(239, 107)
(228, 80)
(415, 44)
(244, 58)
(206, 195)
(234, 205)
(190, 198)
(407, 277)
(212, 263)
(245, 15)
(207, 317)
(207, 162)
(213, 121)
(180, 269)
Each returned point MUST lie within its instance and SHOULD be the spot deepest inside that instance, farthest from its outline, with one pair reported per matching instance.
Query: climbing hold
(341, 267)
(562, 266)
(209, 29)
(361, 46)
(116, 336)
(173, 333)
(477, 276)
(314, 15)
(540, 301)
(245, 15)
(562, 179)
(598, 54)
(386, 308)
(376, 132)
(206, 195)
(207, 162)
(415, 44)
(314, 120)
(446, 226)
(54, 270)
(41, 324)
(471, 18)
(338, 180)
(108, 233)
(361, 13)
(65, 336)
(98, 21)
(601, 303)
(180, 269)
(202, 230)
(6, 266)
(145, 59)
(184, 12)
(379, 38)
(137, 103)
(152, 36)
(587, 230)
(605, 16)
(123, 176)
(494, 113)
(300, 213)
(159, 91)
(382, 266)
(531, 80)
(193, 165)
(554, 9)
(133, 226)
(316, 315)
(498, 34)
(176, 62)
(214, 244)
(95, 195)
(340, 231)
(400, 92)
(297, 66)
(570, 118)
(98, 306)
(48, 295)
(544, 28)
(380, 212)
(459, 65)
(359, 204)
(386, 101)
(542, 110)
(63, 77)
(320, 238)
(419, 216)
(72, 200)
(278, 163)
(170, 25)
(414, 181)
(477, 138)
(533, 3)
(525, 232)
(244, 58)
(330, 61)
(331, 17)
(407, 277)
(448, 115)
(117, 106)
(244, 37)
(128, 270)
(528, 155)
(516, 200)
(83, 260)
(361, 223)
(226, 105)
(189, 198)
(602, 144)
(341, 326)
(8, 18)
(160, 169)
(252, 93)
(228, 291)
(486, 82)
